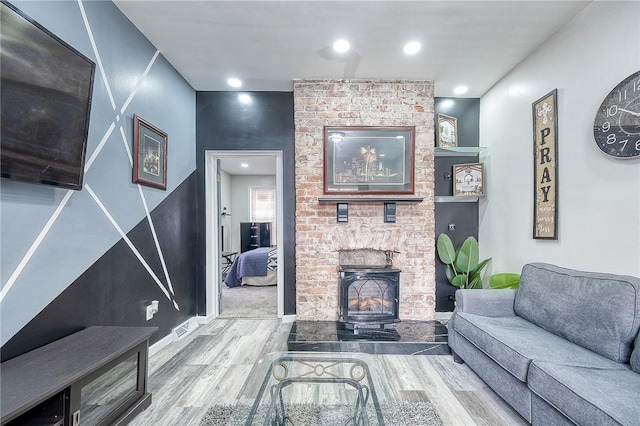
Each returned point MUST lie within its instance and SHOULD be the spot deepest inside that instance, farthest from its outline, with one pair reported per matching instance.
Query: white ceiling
(268, 44)
(261, 165)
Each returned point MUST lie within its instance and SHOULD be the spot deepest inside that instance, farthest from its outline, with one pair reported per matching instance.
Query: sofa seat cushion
(513, 343)
(588, 395)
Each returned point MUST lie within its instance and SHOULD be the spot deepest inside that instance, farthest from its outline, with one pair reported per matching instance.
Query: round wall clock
(616, 128)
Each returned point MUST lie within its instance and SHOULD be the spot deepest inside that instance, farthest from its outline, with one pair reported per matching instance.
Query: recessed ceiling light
(341, 46)
(234, 82)
(460, 90)
(412, 48)
(245, 165)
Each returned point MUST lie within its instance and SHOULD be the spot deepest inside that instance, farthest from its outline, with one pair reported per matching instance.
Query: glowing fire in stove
(377, 304)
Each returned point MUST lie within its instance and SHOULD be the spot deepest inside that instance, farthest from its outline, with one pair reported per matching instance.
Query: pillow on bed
(272, 260)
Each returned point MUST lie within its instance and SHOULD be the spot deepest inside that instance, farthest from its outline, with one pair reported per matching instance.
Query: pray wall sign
(545, 168)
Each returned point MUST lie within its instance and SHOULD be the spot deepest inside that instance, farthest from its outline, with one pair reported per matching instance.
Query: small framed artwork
(468, 179)
(447, 131)
(369, 160)
(149, 154)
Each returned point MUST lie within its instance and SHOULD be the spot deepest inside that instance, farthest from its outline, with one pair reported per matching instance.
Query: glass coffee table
(302, 388)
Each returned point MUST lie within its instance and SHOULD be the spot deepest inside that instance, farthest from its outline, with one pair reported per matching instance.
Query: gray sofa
(562, 349)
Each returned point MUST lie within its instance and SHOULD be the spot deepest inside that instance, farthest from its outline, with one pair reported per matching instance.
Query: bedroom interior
(248, 237)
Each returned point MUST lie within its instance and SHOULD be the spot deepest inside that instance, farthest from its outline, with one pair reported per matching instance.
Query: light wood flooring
(212, 366)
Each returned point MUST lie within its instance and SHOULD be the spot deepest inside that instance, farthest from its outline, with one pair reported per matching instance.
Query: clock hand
(637, 114)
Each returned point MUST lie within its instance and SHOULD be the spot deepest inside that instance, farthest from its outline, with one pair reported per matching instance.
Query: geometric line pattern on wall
(43, 233)
(129, 243)
(56, 214)
(147, 212)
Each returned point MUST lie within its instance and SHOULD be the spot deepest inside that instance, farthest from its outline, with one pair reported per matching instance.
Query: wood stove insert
(369, 296)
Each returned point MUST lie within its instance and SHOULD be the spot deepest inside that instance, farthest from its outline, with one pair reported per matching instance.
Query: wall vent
(185, 328)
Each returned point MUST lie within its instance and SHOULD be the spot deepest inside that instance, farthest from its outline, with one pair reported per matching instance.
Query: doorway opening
(243, 195)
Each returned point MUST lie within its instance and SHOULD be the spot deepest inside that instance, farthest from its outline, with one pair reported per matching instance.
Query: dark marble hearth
(406, 338)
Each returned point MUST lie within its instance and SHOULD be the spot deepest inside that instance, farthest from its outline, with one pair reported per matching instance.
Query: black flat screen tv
(46, 101)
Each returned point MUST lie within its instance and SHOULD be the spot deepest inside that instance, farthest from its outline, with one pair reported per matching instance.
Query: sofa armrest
(486, 302)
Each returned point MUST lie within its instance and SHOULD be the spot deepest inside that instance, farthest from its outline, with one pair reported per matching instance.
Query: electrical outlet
(152, 309)
(452, 227)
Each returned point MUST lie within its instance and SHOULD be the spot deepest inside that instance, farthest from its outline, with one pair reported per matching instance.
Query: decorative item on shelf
(616, 128)
(149, 154)
(462, 267)
(468, 179)
(446, 131)
(369, 160)
(545, 165)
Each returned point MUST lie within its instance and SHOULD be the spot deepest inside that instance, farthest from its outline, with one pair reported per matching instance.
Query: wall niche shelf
(458, 198)
(370, 200)
(459, 151)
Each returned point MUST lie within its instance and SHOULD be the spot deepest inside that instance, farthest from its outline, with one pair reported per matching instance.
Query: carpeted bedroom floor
(249, 302)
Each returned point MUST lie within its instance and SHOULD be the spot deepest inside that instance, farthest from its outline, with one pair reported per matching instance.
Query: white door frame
(213, 256)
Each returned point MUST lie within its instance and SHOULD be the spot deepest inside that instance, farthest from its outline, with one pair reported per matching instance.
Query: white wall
(240, 202)
(599, 197)
(225, 201)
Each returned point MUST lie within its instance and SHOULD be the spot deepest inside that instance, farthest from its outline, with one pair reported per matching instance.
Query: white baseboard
(202, 320)
(288, 318)
(161, 344)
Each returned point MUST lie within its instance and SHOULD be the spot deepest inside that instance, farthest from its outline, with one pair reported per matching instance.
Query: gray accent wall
(225, 123)
(48, 243)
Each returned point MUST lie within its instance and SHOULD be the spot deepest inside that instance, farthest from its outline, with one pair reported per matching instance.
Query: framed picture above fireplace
(369, 160)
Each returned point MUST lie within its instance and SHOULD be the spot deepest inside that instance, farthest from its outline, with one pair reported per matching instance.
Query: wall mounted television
(46, 101)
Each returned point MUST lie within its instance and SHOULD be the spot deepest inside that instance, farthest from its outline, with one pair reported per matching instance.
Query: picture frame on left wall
(149, 154)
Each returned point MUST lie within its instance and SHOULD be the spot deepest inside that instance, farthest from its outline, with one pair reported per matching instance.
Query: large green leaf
(460, 281)
(504, 280)
(475, 282)
(446, 252)
(448, 271)
(475, 276)
(468, 255)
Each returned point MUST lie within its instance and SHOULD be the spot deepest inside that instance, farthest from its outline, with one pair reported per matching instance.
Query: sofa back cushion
(597, 311)
(635, 356)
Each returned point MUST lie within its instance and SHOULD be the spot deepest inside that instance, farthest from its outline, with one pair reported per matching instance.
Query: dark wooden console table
(66, 382)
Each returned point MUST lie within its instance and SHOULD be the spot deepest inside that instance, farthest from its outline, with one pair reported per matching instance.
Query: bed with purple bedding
(259, 262)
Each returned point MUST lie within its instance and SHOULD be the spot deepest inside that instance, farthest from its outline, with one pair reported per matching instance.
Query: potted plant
(462, 267)
(504, 280)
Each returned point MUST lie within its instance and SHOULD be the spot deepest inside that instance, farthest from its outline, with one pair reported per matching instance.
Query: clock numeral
(606, 126)
(612, 110)
(611, 138)
(638, 145)
(636, 85)
(622, 95)
(625, 144)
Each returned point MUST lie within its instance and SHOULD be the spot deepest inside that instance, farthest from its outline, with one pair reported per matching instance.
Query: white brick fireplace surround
(319, 238)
